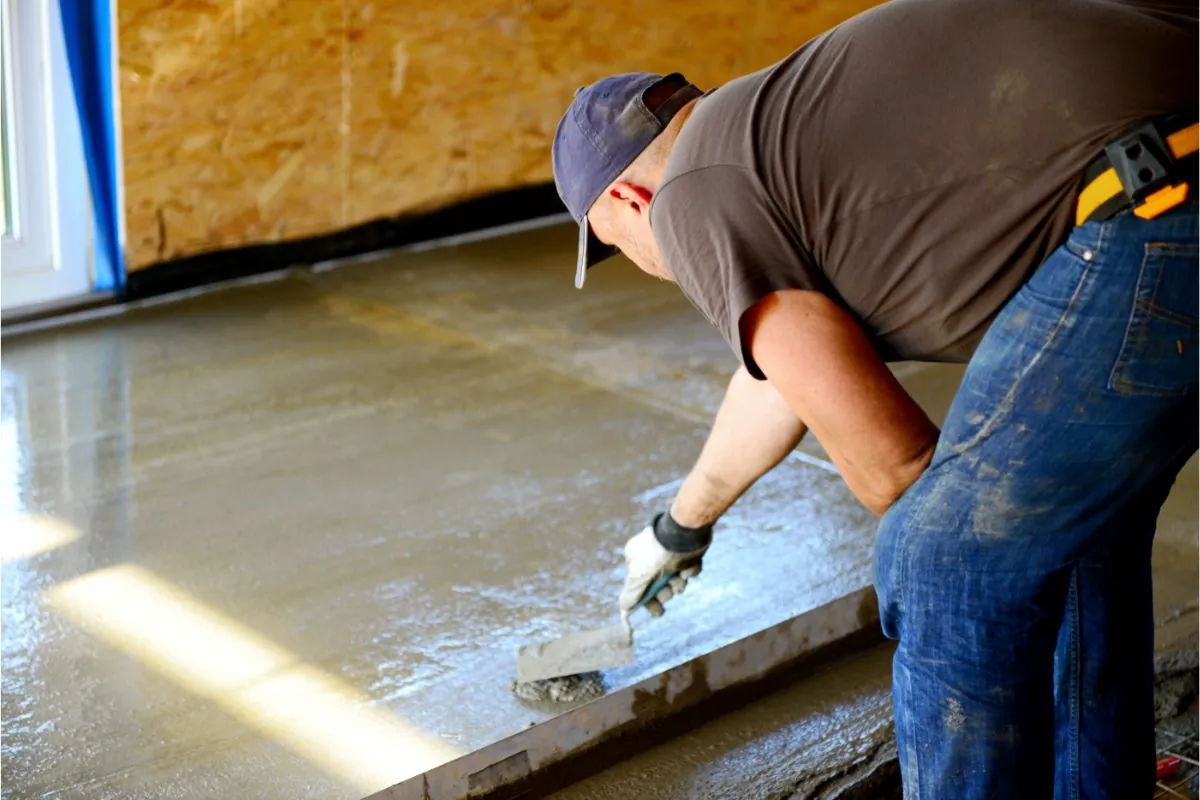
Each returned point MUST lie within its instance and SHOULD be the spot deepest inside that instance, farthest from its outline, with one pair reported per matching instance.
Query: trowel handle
(654, 589)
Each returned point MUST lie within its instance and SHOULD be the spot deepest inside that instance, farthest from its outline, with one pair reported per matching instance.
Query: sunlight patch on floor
(263, 685)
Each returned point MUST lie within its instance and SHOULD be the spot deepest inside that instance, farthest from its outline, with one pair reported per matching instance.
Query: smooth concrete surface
(283, 540)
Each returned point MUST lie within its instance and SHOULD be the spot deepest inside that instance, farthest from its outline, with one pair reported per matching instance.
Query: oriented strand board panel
(250, 121)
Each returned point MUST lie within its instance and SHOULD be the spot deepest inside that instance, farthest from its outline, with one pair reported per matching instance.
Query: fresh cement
(261, 541)
(560, 693)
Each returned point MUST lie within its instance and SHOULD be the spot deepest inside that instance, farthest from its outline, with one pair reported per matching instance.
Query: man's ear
(635, 197)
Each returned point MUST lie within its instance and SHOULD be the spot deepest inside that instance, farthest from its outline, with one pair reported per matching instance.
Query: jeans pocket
(1158, 355)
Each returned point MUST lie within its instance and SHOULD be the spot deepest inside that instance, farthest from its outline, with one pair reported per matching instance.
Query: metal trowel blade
(575, 653)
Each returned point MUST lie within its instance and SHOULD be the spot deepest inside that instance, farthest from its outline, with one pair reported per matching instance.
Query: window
(45, 220)
(5, 186)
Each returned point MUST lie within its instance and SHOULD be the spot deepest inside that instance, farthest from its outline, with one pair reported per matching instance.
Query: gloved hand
(664, 548)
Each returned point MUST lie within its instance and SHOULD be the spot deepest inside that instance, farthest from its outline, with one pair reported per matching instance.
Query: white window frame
(45, 257)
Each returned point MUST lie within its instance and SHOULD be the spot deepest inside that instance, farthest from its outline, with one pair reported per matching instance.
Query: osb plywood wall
(250, 121)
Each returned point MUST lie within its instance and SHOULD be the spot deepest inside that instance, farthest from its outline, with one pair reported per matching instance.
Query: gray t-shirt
(916, 163)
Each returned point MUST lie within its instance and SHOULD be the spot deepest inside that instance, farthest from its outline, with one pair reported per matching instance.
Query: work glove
(665, 549)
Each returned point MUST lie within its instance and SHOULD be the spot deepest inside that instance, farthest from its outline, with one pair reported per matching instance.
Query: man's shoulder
(701, 195)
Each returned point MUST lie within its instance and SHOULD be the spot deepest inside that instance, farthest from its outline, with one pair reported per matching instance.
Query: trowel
(585, 651)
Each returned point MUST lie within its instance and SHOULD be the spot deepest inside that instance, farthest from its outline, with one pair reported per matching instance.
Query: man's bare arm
(753, 431)
(823, 365)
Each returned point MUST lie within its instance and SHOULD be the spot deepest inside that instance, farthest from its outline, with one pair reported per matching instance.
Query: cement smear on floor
(284, 540)
(565, 691)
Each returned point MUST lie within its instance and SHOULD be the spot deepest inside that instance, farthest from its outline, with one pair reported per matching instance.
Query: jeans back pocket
(1158, 355)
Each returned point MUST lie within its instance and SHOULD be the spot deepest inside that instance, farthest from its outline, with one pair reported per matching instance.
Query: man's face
(618, 220)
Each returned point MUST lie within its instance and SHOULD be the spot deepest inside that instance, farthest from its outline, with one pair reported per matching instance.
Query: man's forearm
(753, 431)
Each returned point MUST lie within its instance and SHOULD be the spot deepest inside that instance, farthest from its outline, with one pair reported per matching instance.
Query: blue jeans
(1015, 572)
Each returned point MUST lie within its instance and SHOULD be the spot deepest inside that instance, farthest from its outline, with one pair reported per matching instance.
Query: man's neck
(657, 165)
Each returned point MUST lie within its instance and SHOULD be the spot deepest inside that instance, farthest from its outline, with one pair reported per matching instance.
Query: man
(1006, 183)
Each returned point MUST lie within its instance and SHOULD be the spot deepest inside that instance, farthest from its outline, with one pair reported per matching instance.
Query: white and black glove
(659, 563)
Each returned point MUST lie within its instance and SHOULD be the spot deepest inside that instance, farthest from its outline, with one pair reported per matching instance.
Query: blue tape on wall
(87, 25)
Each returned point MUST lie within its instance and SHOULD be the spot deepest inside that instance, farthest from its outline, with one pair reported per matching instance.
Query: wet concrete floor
(283, 540)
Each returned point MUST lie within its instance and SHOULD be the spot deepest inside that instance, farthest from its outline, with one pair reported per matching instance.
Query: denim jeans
(1015, 572)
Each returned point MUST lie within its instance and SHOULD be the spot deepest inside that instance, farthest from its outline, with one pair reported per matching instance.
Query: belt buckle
(1143, 162)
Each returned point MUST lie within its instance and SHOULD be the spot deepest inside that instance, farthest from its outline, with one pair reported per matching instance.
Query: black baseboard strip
(487, 211)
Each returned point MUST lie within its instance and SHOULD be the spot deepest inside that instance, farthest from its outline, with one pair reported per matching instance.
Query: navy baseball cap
(606, 127)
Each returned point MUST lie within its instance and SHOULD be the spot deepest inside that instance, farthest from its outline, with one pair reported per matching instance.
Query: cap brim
(591, 252)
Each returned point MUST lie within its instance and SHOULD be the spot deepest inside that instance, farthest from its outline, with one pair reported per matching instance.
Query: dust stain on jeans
(954, 718)
(1006, 501)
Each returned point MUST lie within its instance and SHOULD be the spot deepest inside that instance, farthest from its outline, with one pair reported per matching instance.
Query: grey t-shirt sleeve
(728, 246)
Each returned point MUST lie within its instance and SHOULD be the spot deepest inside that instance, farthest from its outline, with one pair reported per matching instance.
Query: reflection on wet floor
(255, 541)
(29, 535)
(262, 685)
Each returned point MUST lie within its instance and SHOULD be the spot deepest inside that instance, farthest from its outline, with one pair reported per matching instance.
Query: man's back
(917, 163)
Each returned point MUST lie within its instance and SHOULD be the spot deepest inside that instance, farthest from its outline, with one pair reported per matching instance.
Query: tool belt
(1148, 169)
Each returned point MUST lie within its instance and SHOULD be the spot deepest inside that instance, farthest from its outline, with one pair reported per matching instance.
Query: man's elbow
(886, 486)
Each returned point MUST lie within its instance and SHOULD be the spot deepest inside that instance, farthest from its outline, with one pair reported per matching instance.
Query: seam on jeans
(1129, 322)
(1166, 314)
(913, 750)
(1174, 248)
(1074, 681)
(1007, 403)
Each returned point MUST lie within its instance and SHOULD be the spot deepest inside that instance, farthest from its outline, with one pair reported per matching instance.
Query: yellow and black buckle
(1140, 170)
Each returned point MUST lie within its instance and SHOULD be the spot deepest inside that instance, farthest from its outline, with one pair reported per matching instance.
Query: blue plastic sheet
(87, 26)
